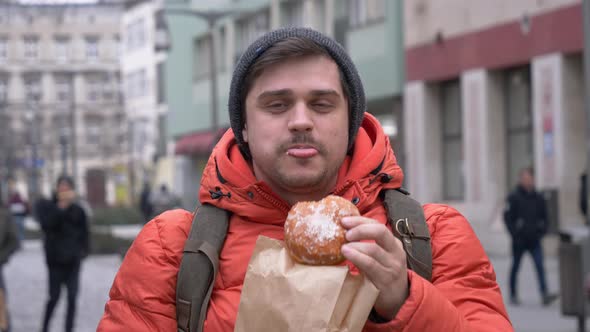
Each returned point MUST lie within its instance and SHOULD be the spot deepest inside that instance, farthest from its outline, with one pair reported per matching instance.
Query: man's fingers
(353, 221)
(377, 232)
(372, 250)
(365, 263)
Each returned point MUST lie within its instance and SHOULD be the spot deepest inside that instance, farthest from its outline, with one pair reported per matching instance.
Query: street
(26, 279)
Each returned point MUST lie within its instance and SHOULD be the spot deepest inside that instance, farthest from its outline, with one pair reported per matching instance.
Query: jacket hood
(229, 183)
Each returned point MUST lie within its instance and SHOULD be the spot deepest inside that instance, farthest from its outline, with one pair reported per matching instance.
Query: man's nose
(300, 119)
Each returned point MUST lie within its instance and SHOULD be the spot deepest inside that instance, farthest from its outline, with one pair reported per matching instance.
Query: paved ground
(26, 279)
(531, 316)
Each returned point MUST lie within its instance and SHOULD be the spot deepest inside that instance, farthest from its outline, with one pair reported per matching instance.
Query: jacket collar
(229, 183)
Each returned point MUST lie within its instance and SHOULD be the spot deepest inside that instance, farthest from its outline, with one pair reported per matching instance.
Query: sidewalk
(26, 281)
(531, 316)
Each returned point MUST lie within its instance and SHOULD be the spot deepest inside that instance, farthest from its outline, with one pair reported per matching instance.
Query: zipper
(273, 200)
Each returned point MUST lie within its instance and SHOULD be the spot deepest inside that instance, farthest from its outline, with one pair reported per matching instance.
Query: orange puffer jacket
(462, 296)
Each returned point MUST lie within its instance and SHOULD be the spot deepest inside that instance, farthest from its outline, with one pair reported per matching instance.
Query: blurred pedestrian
(19, 208)
(8, 245)
(526, 219)
(163, 200)
(145, 206)
(64, 223)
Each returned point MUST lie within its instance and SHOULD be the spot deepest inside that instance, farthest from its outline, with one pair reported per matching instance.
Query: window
(129, 85)
(363, 12)
(161, 81)
(135, 34)
(3, 48)
(136, 83)
(62, 49)
(32, 87)
(3, 89)
(129, 37)
(62, 89)
(221, 50)
(249, 29)
(91, 48)
(31, 47)
(117, 47)
(519, 122)
(93, 132)
(161, 135)
(202, 59)
(140, 32)
(452, 141)
(93, 88)
(292, 14)
(142, 83)
(108, 87)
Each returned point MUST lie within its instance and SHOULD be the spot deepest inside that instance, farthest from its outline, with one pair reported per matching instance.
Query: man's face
(527, 180)
(297, 124)
(63, 186)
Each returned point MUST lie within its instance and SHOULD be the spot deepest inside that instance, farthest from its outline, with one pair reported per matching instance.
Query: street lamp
(63, 142)
(211, 17)
(31, 118)
(7, 148)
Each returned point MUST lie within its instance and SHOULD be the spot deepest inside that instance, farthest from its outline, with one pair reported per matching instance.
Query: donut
(313, 230)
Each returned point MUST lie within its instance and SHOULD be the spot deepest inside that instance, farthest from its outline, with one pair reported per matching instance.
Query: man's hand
(383, 262)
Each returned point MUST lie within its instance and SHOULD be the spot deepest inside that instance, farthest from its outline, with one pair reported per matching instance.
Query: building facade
(60, 101)
(143, 72)
(369, 29)
(493, 87)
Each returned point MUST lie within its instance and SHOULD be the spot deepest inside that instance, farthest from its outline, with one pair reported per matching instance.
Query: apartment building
(493, 87)
(60, 101)
(143, 69)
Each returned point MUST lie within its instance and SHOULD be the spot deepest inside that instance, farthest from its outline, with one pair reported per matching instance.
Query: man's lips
(302, 151)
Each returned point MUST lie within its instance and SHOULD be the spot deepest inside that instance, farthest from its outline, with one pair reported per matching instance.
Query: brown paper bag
(282, 295)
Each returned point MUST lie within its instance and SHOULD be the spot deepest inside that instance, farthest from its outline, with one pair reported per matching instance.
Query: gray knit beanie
(356, 98)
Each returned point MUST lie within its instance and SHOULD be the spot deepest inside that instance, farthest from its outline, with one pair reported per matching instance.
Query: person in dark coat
(9, 244)
(144, 203)
(526, 219)
(66, 244)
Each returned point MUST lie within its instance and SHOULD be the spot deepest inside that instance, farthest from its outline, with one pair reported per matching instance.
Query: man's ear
(245, 133)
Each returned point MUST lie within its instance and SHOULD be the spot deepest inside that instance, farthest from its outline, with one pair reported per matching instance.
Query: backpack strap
(406, 217)
(198, 268)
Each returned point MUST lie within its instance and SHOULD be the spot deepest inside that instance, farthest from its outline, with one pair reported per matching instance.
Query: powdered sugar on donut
(320, 225)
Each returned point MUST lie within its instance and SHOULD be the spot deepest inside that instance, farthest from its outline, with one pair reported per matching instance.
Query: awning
(200, 144)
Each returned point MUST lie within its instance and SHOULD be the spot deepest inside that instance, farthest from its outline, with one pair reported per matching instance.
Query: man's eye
(277, 106)
(322, 106)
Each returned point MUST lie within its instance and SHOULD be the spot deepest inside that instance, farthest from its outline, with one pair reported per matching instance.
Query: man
(64, 223)
(145, 206)
(526, 219)
(300, 132)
